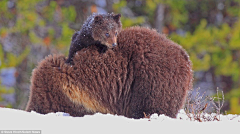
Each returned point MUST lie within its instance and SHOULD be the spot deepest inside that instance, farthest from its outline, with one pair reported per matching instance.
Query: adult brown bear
(145, 73)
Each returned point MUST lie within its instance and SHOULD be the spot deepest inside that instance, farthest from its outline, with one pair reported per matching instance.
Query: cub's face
(106, 29)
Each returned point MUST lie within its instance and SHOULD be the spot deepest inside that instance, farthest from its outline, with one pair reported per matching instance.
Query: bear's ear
(98, 19)
(75, 35)
(117, 18)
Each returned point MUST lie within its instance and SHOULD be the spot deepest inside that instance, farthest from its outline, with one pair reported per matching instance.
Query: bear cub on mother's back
(100, 30)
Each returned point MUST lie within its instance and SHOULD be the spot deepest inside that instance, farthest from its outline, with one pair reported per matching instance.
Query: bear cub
(100, 30)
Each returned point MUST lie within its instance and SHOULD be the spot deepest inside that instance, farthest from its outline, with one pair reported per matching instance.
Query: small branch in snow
(196, 106)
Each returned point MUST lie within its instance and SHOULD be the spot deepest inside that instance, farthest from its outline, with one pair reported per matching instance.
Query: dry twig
(196, 105)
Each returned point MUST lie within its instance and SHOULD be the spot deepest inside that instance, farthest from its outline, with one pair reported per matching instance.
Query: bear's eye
(116, 34)
(107, 34)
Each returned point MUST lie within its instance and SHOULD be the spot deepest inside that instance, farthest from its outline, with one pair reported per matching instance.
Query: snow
(62, 123)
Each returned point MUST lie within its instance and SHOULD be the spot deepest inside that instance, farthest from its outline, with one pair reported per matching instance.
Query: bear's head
(105, 29)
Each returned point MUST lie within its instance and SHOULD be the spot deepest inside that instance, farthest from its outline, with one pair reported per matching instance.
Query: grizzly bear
(145, 73)
(100, 30)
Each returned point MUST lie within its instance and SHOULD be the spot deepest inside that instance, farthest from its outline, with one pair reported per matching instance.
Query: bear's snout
(114, 44)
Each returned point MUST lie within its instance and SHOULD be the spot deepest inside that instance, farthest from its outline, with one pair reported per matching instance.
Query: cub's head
(105, 29)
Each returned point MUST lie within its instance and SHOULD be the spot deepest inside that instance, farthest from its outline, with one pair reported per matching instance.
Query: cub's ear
(117, 18)
(75, 35)
(98, 19)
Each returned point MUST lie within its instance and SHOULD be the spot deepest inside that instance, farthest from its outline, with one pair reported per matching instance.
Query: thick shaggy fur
(145, 74)
(100, 30)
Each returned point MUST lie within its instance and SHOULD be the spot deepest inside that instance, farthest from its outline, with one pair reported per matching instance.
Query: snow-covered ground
(62, 123)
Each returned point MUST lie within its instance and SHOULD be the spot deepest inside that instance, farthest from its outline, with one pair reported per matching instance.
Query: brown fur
(100, 30)
(145, 74)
